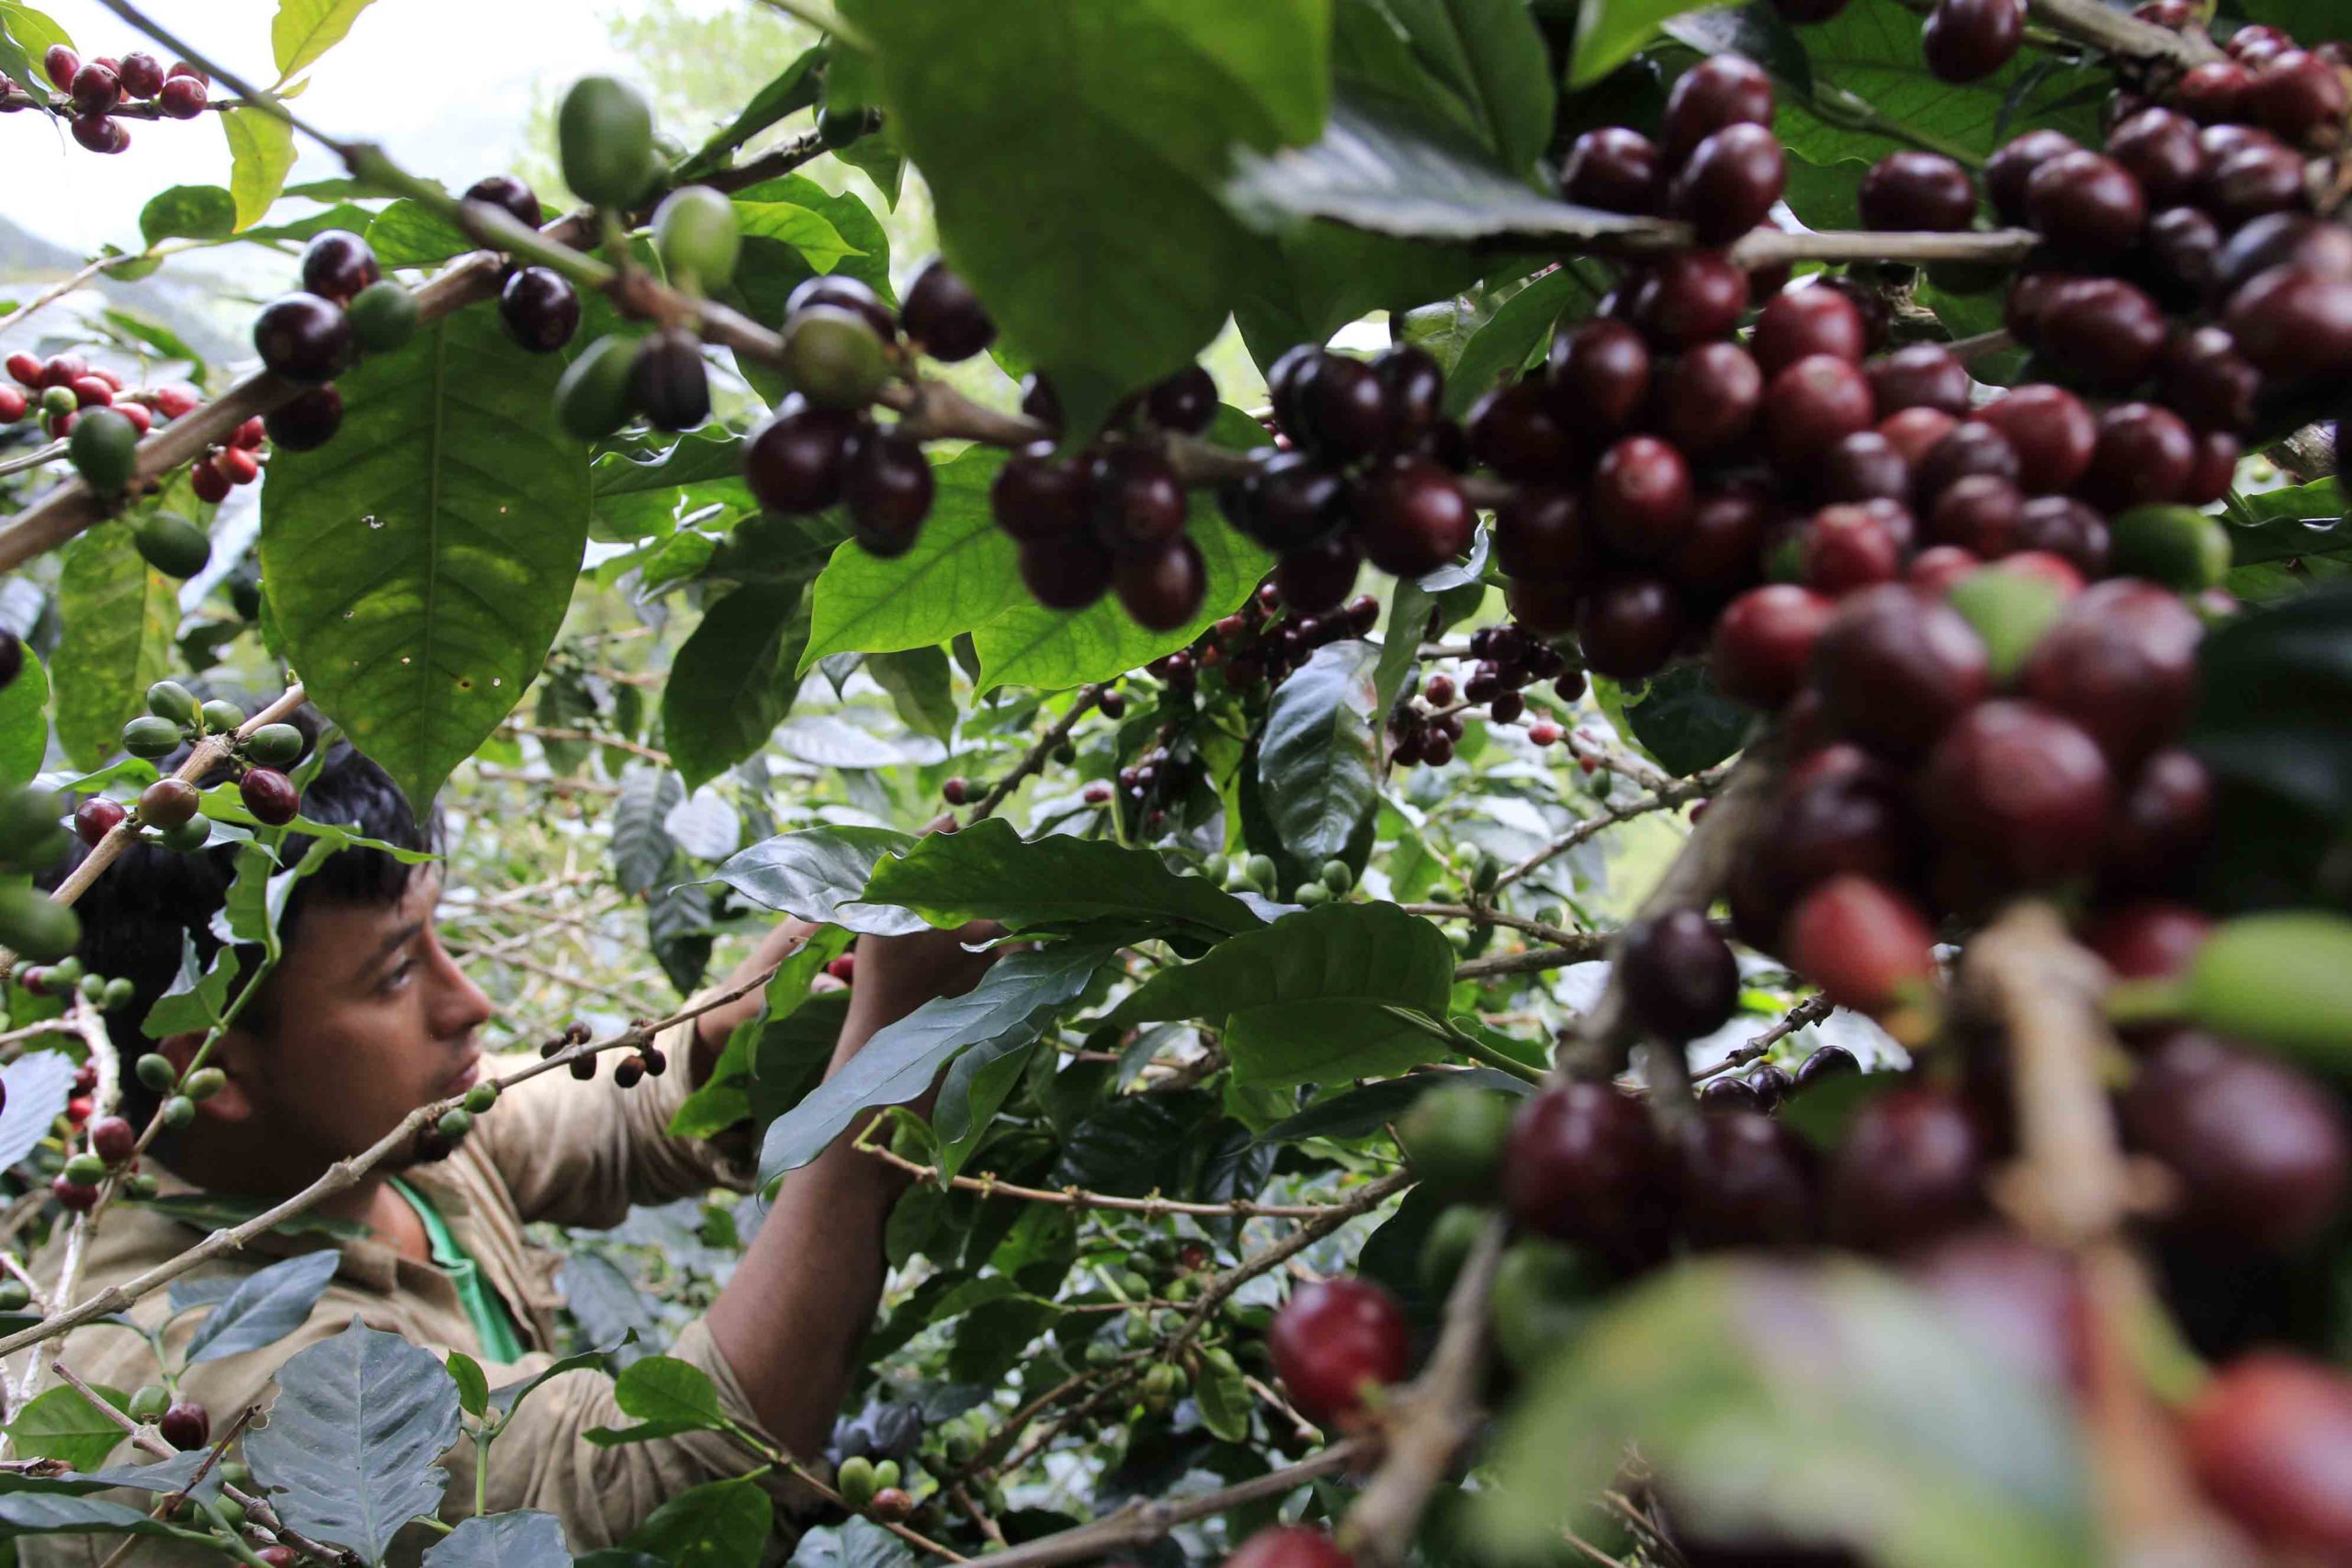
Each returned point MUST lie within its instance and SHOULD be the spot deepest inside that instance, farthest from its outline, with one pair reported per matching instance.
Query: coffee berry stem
(2118, 32)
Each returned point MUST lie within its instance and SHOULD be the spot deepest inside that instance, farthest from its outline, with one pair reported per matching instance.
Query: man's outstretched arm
(791, 1320)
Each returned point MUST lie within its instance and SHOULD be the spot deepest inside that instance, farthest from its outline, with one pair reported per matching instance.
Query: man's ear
(235, 1054)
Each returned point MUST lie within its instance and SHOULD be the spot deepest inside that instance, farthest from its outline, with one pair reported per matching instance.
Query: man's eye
(399, 973)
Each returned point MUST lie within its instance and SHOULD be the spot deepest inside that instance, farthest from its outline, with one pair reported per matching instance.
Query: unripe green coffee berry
(1101, 1353)
(1216, 868)
(150, 1402)
(187, 838)
(169, 699)
(101, 448)
(481, 1098)
(140, 1187)
(120, 992)
(383, 316)
(151, 737)
(172, 544)
(1136, 1287)
(222, 717)
(232, 1513)
(834, 359)
(66, 974)
(604, 135)
(1263, 872)
(204, 1083)
(694, 233)
(886, 1472)
(86, 1169)
(94, 989)
(1338, 876)
(1311, 894)
(15, 1296)
(455, 1123)
(155, 1071)
(854, 1481)
(233, 1473)
(592, 400)
(273, 745)
(59, 401)
(178, 1111)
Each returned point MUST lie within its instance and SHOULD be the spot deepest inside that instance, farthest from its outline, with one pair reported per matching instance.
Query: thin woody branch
(1039, 754)
(1076, 1198)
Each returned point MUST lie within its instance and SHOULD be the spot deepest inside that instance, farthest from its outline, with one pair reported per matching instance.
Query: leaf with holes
(420, 564)
(350, 1447)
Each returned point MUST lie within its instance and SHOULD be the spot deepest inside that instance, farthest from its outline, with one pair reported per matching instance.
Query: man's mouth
(463, 1079)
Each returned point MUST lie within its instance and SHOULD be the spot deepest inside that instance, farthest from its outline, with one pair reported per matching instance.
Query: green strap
(493, 1324)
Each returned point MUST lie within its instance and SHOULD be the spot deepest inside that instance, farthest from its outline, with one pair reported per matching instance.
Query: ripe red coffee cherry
(2253, 181)
(2007, 170)
(1037, 496)
(1811, 404)
(304, 338)
(1296, 500)
(2257, 42)
(1747, 1180)
(1689, 298)
(1614, 169)
(141, 74)
(2159, 149)
(1721, 90)
(1601, 372)
(2021, 788)
(96, 89)
(1331, 1339)
(2144, 453)
(1584, 1166)
(2049, 430)
(1709, 398)
(1910, 1171)
(1763, 641)
(1915, 432)
(112, 1139)
(2269, 1438)
(1969, 447)
(2163, 821)
(1806, 321)
(539, 308)
(1415, 385)
(1518, 432)
(1914, 190)
(185, 1425)
(2182, 246)
(1979, 513)
(1679, 978)
(1641, 496)
(1864, 466)
(1629, 627)
(793, 461)
(2121, 662)
(73, 1196)
(1924, 375)
(1289, 1546)
(2294, 94)
(95, 817)
(2218, 452)
(1160, 586)
(1718, 552)
(1963, 40)
(1547, 607)
(1934, 569)
(1185, 402)
(1729, 183)
(1066, 573)
(1849, 547)
(208, 483)
(2086, 204)
(2148, 939)
(270, 796)
(1319, 577)
(168, 803)
(1342, 408)
(2261, 1151)
(183, 97)
(337, 264)
(2211, 92)
(2283, 239)
(1411, 517)
(61, 64)
(2067, 536)
(943, 315)
(1540, 532)
(2294, 322)
(2103, 332)
(1894, 669)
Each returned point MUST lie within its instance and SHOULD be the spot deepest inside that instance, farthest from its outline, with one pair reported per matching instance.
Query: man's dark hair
(134, 914)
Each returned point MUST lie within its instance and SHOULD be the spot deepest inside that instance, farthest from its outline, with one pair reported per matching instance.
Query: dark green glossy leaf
(60, 1424)
(523, 1538)
(269, 1304)
(24, 722)
(48, 1513)
(1684, 722)
(919, 688)
(989, 872)
(642, 846)
(760, 1048)
(188, 212)
(790, 90)
(720, 1524)
(819, 874)
(1361, 1113)
(420, 564)
(667, 1396)
(120, 614)
(1490, 55)
(1305, 998)
(2282, 525)
(1318, 761)
(1519, 329)
(1004, 1012)
(350, 1447)
(735, 679)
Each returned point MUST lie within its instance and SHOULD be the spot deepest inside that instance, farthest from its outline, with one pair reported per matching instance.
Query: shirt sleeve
(581, 1153)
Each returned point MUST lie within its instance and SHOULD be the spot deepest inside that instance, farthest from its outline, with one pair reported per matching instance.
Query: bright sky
(445, 84)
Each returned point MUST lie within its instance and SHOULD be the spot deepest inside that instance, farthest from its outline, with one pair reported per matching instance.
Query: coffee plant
(1651, 699)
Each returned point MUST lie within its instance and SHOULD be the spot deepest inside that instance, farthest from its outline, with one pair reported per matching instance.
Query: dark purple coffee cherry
(1922, 376)
(668, 386)
(1729, 183)
(1641, 496)
(1746, 1180)
(1680, 980)
(303, 338)
(1689, 298)
(1709, 398)
(337, 264)
(2252, 181)
(1540, 532)
(1415, 385)
(1411, 517)
(1812, 404)
(1319, 577)
(2086, 204)
(1518, 431)
(1138, 498)
(792, 460)
(308, 420)
(2048, 431)
(2207, 381)
(1721, 90)
(1965, 40)
(1614, 169)
(1629, 627)
(2007, 170)
(1161, 585)
(2103, 332)
(2144, 454)
(539, 308)
(887, 484)
(1914, 190)
(510, 196)
(1808, 321)
(2293, 323)
(1066, 573)
(2159, 149)
(1185, 402)
(1295, 499)
(943, 315)
(1342, 409)
(845, 293)
(1037, 495)
(1600, 371)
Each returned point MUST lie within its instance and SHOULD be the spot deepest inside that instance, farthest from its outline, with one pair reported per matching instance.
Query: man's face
(373, 1020)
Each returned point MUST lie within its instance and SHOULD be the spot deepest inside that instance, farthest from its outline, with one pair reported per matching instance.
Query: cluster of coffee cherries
(111, 1153)
(2189, 257)
(648, 1061)
(67, 979)
(1506, 660)
(61, 386)
(822, 446)
(173, 806)
(344, 307)
(96, 90)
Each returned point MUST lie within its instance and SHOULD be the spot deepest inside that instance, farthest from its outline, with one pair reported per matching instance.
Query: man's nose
(459, 1005)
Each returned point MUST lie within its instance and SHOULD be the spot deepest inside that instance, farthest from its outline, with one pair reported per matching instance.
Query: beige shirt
(554, 1148)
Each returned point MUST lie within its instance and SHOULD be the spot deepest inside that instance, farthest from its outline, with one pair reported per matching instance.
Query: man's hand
(896, 974)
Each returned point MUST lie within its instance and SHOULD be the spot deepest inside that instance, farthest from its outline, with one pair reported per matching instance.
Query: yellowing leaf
(304, 29)
(261, 152)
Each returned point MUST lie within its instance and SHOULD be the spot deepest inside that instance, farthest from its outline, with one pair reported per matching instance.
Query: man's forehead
(353, 921)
